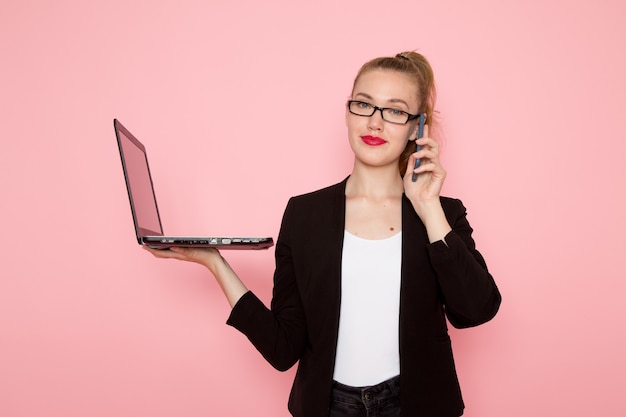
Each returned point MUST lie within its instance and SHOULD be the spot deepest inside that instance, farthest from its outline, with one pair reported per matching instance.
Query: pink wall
(532, 102)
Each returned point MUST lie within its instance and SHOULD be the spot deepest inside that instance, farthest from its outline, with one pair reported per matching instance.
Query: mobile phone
(420, 134)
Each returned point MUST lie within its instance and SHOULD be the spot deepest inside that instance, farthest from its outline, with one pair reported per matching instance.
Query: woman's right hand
(228, 280)
(209, 257)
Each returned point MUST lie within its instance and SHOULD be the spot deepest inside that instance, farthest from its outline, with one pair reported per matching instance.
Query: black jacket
(438, 280)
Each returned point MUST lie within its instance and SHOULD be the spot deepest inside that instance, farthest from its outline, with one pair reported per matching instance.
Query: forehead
(387, 85)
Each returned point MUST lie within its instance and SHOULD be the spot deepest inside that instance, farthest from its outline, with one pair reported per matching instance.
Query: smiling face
(374, 141)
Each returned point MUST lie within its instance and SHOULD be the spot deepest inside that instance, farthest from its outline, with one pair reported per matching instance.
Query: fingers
(428, 154)
(429, 149)
(184, 254)
(426, 165)
(171, 253)
(203, 256)
(427, 142)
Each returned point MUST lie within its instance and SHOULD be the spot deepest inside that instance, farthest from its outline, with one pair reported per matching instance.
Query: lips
(373, 140)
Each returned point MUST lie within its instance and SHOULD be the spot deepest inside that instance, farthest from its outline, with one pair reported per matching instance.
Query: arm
(424, 193)
(227, 279)
(279, 333)
(469, 291)
(470, 294)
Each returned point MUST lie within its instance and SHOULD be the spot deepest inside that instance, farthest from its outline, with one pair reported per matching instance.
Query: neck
(374, 182)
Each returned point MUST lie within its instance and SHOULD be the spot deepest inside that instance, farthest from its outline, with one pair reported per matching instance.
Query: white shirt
(368, 342)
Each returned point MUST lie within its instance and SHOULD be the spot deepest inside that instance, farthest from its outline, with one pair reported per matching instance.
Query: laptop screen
(139, 183)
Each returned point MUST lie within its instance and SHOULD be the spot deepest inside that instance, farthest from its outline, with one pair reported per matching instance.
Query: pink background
(532, 98)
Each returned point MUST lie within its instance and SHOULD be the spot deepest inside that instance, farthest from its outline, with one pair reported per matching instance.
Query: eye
(397, 112)
(363, 105)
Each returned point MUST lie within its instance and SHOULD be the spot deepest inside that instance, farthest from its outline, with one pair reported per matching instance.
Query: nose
(376, 120)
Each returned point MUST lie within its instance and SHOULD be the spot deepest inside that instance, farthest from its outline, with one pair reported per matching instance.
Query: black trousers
(381, 400)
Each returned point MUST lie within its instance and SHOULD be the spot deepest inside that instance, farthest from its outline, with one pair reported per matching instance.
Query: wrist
(427, 208)
(215, 264)
(432, 215)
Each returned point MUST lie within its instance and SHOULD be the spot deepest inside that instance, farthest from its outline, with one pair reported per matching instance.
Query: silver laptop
(144, 207)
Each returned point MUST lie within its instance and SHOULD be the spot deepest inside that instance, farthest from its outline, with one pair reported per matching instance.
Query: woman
(367, 270)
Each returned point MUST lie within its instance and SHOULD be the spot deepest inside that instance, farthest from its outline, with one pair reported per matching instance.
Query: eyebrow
(393, 100)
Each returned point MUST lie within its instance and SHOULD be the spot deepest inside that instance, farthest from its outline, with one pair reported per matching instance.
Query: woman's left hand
(430, 174)
(424, 193)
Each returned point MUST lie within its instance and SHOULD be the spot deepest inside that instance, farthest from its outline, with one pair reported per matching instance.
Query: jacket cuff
(242, 312)
(442, 250)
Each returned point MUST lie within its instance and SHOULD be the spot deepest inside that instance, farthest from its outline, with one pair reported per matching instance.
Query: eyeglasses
(363, 108)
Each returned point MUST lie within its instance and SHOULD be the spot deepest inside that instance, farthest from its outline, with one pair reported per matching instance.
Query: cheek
(403, 133)
(355, 123)
(412, 130)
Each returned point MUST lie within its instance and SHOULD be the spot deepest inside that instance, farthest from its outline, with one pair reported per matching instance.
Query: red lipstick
(373, 140)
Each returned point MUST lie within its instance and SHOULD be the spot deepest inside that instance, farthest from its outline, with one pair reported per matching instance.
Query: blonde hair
(417, 67)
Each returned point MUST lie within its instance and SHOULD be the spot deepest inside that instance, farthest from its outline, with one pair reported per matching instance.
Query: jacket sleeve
(279, 333)
(470, 294)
